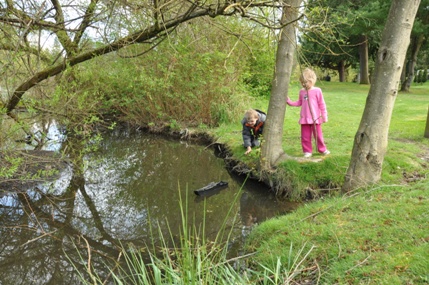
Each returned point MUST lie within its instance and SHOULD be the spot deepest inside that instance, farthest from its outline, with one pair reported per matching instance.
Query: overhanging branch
(151, 33)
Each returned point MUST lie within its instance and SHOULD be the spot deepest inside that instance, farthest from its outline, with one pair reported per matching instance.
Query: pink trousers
(307, 131)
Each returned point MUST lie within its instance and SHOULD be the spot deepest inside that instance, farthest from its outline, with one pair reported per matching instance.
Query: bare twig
(359, 264)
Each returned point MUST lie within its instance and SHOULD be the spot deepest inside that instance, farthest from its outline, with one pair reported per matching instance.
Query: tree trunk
(271, 149)
(416, 43)
(404, 71)
(363, 60)
(371, 139)
(426, 135)
(342, 71)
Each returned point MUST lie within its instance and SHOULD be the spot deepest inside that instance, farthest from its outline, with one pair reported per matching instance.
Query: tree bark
(426, 135)
(271, 149)
(341, 71)
(416, 43)
(370, 143)
(363, 60)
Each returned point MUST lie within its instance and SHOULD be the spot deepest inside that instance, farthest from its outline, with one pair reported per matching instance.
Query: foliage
(85, 31)
(336, 41)
(10, 166)
(188, 84)
(258, 78)
(324, 46)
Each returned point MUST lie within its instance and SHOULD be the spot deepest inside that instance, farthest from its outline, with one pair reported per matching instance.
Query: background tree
(365, 32)
(426, 133)
(371, 139)
(350, 36)
(333, 57)
(322, 41)
(418, 41)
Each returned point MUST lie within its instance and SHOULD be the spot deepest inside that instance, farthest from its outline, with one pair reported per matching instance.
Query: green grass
(345, 103)
(378, 235)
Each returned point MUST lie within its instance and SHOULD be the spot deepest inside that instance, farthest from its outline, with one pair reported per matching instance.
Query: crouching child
(253, 125)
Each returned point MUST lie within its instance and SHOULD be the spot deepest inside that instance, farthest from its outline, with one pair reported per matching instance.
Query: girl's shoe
(307, 154)
(326, 152)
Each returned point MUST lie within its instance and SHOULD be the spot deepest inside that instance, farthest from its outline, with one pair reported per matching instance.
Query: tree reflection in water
(120, 194)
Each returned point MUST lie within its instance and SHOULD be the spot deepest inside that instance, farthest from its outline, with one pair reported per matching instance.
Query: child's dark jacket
(251, 133)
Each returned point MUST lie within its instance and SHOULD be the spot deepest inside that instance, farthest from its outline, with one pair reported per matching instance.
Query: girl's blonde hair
(308, 78)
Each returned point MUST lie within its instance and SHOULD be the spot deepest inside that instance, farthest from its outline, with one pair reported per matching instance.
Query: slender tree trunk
(363, 60)
(416, 43)
(271, 149)
(426, 135)
(371, 139)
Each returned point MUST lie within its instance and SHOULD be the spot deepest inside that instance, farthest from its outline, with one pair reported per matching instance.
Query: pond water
(132, 190)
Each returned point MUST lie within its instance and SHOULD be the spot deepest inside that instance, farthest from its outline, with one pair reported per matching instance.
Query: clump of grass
(196, 260)
(312, 180)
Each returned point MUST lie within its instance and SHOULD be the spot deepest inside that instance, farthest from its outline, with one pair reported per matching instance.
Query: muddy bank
(278, 181)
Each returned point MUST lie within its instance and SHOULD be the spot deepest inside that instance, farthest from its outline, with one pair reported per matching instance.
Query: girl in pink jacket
(313, 113)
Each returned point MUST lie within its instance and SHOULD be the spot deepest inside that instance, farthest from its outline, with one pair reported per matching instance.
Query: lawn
(378, 235)
(407, 149)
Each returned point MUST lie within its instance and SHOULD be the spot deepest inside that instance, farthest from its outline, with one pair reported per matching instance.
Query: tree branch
(153, 32)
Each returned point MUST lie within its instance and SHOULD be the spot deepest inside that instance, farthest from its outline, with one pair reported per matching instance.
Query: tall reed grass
(195, 260)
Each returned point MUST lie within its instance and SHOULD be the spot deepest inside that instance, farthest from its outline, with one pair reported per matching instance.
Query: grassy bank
(407, 151)
(379, 235)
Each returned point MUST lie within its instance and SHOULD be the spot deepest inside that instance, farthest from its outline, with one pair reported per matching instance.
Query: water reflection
(126, 192)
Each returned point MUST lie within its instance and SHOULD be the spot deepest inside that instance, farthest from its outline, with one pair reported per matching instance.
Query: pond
(132, 190)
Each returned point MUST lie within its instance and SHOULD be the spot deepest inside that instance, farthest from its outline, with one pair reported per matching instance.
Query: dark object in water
(211, 188)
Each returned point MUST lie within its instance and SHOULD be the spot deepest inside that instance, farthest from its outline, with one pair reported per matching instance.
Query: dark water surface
(129, 191)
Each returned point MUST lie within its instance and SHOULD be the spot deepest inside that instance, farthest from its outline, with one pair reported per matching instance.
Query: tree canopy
(112, 25)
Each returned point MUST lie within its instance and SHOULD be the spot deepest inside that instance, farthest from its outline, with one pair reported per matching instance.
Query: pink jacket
(318, 113)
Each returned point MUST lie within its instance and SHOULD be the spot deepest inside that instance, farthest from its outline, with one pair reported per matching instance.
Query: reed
(194, 260)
